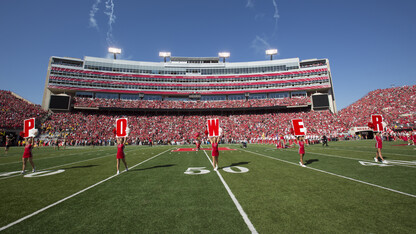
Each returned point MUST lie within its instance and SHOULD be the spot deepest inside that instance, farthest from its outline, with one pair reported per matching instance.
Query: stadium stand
(394, 104)
(155, 104)
(397, 105)
(87, 125)
(13, 110)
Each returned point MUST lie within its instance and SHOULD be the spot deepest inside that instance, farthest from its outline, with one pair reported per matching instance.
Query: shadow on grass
(310, 161)
(154, 167)
(236, 164)
(75, 167)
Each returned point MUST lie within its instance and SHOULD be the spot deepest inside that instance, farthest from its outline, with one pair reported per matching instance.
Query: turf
(156, 196)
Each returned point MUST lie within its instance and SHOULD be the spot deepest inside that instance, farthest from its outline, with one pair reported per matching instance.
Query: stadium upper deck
(185, 79)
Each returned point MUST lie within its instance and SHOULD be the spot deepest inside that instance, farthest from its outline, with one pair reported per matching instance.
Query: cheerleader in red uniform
(379, 146)
(301, 143)
(197, 141)
(27, 154)
(120, 153)
(215, 153)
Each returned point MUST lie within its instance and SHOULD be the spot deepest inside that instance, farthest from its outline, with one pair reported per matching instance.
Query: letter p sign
(121, 127)
(27, 125)
(377, 122)
(298, 127)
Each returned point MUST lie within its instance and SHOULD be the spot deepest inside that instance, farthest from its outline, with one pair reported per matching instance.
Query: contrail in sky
(109, 6)
(94, 9)
(276, 16)
(260, 44)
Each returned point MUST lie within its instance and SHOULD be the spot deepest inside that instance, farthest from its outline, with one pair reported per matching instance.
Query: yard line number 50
(202, 170)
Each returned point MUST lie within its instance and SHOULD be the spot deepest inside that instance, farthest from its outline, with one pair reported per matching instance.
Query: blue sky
(370, 44)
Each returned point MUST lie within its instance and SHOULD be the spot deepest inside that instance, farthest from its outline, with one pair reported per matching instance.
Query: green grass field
(334, 194)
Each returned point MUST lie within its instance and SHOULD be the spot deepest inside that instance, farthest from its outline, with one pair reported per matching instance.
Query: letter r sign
(377, 122)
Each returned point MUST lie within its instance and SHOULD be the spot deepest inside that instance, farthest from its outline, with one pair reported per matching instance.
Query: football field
(259, 189)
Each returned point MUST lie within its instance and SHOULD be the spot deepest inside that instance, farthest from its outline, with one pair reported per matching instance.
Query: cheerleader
(197, 141)
(120, 153)
(215, 153)
(27, 154)
(7, 145)
(379, 146)
(301, 143)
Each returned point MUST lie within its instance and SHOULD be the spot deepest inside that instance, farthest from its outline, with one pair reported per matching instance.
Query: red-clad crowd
(396, 105)
(166, 104)
(178, 128)
(14, 110)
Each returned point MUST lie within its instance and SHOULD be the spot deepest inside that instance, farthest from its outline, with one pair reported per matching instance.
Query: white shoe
(34, 170)
(301, 164)
(375, 160)
(22, 172)
(118, 172)
(384, 161)
(127, 169)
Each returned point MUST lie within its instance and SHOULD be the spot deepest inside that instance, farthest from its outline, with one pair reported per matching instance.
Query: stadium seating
(146, 104)
(179, 128)
(14, 110)
(397, 105)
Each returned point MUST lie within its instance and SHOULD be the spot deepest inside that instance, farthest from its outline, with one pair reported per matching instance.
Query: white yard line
(392, 162)
(236, 203)
(73, 195)
(330, 173)
(38, 159)
(366, 151)
(61, 165)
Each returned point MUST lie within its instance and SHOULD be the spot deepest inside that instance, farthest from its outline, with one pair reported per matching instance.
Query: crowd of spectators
(167, 104)
(397, 106)
(82, 125)
(13, 110)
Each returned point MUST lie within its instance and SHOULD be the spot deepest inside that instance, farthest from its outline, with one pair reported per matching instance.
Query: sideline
(236, 203)
(73, 195)
(330, 173)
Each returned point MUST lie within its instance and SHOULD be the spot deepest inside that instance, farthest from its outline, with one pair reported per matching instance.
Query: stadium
(167, 103)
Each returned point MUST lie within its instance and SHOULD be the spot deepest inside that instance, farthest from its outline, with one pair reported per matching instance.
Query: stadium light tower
(114, 51)
(224, 55)
(271, 52)
(164, 55)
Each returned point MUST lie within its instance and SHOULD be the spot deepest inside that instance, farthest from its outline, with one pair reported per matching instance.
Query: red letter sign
(121, 126)
(27, 125)
(377, 123)
(213, 127)
(298, 128)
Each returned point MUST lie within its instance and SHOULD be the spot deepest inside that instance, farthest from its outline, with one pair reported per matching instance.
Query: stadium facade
(189, 79)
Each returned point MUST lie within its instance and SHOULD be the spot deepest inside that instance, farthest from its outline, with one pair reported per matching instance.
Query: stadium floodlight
(224, 55)
(114, 51)
(164, 55)
(271, 52)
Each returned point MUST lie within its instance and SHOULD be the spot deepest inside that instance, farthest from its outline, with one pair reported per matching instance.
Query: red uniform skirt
(120, 151)
(28, 151)
(215, 152)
